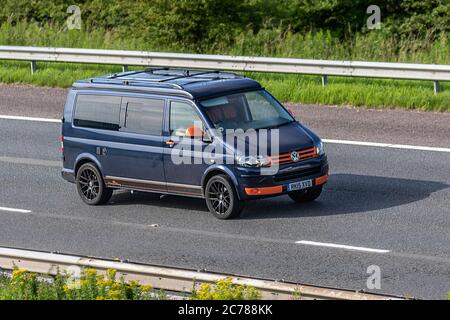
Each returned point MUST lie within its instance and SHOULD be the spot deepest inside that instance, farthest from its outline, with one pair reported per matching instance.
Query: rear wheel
(91, 187)
(306, 195)
(222, 199)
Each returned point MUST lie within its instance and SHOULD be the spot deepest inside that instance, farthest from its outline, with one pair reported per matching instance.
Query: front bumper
(254, 185)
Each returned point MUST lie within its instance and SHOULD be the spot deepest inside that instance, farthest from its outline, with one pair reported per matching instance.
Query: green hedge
(203, 24)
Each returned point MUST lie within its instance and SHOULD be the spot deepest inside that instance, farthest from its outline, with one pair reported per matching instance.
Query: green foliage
(23, 285)
(200, 24)
(297, 294)
(224, 289)
(374, 46)
(430, 17)
(205, 25)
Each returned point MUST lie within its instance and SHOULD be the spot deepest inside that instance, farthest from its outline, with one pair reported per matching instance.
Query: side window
(143, 116)
(97, 111)
(260, 108)
(182, 116)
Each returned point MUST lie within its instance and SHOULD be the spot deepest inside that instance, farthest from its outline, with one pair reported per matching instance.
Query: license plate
(300, 185)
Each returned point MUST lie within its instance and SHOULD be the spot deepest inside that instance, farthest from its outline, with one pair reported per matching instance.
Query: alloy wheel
(219, 197)
(89, 184)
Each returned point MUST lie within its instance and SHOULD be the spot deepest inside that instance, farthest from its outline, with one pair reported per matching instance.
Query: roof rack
(129, 82)
(126, 79)
(151, 81)
(148, 70)
(188, 74)
(185, 73)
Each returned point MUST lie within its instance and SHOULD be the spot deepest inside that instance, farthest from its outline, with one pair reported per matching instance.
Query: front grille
(285, 158)
(297, 174)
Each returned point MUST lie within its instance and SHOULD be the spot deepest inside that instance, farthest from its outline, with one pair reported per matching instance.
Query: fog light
(321, 180)
(263, 191)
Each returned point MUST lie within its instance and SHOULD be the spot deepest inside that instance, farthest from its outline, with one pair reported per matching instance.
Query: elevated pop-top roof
(194, 84)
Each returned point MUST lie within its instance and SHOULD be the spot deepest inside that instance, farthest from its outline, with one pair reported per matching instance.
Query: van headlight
(320, 149)
(253, 161)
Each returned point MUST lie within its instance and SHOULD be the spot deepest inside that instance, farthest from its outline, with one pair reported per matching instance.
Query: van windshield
(248, 110)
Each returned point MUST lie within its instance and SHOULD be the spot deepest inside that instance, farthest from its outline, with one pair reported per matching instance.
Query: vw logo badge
(295, 156)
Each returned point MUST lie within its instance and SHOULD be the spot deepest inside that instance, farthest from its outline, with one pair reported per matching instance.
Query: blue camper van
(128, 130)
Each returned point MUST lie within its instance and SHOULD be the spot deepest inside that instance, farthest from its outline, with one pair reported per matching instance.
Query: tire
(91, 187)
(307, 195)
(228, 205)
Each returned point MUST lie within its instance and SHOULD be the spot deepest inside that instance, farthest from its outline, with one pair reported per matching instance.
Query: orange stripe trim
(301, 152)
(263, 191)
(289, 160)
(286, 157)
(153, 189)
(321, 180)
(114, 182)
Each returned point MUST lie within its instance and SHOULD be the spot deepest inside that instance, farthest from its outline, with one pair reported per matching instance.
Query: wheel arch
(86, 158)
(215, 170)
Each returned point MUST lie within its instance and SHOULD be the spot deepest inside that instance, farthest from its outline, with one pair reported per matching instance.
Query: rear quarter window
(143, 116)
(97, 111)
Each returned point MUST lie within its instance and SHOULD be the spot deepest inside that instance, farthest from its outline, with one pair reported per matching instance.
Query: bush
(225, 290)
(202, 25)
(24, 285)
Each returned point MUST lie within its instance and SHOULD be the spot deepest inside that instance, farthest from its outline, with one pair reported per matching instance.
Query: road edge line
(386, 145)
(332, 141)
(20, 118)
(341, 246)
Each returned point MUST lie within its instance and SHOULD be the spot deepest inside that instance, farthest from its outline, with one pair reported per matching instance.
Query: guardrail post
(324, 81)
(125, 68)
(33, 67)
(437, 87)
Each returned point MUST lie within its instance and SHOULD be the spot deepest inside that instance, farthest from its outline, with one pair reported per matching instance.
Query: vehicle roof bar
(188, 74)
(129, 82)
(148, 70)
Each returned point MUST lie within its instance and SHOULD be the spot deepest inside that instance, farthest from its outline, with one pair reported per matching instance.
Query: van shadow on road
(344, 193)
(348, 193)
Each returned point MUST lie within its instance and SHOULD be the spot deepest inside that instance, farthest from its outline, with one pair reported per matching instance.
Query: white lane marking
(32, 162)
(341, 246)
(29, 119)
(387, 145)
(348, 142)
(14, 210)
(357, 143)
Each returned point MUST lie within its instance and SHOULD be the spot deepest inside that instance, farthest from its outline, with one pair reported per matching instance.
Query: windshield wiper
(278, 125)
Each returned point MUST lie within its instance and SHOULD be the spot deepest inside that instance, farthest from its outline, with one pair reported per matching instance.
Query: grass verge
(359, 92)
(373, 46)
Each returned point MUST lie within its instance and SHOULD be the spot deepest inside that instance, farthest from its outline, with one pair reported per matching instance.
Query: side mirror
(207, 138)
(194, 132)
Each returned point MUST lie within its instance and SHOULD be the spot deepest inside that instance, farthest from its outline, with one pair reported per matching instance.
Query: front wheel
(306, 195)
(221, 198)
(91, 187)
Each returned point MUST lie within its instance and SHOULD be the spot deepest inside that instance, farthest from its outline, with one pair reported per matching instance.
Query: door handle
(170, 143)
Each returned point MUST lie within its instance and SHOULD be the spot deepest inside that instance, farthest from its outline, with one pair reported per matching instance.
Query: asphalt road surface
(390, 207)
